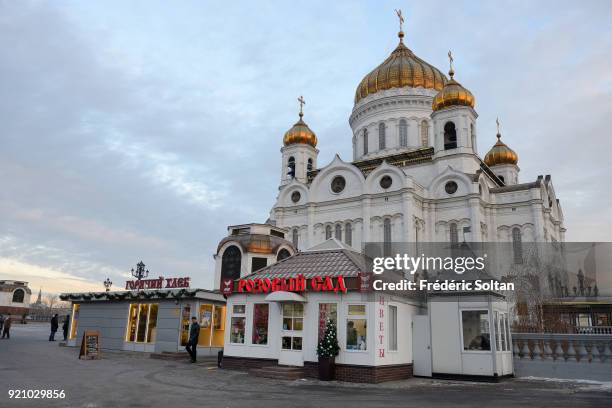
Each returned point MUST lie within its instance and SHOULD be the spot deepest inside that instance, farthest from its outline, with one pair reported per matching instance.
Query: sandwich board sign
(90, 345)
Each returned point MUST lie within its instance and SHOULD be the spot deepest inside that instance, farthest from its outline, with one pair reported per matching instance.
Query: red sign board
(227, 286)
(294, 284)
(159, 283)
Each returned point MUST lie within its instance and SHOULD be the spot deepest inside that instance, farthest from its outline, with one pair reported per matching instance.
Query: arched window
(328, 232)
(230, 263)
(382, 142)
(348, 234)
(424, 133)
(517, 245)
(450, 136)
(338, 232)
(18, 295)
(387, 236)
(295, 237)
(403, 133)
(309, 165)
(365, 141)
(473, 137)
(453, 235)
(291, 166)
(282, 254)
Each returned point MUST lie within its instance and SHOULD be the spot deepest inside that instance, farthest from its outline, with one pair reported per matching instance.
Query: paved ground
(29, 361)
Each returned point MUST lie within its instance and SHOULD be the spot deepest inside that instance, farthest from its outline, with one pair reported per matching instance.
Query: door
(185, 322)
(421, 346)
(292, 325)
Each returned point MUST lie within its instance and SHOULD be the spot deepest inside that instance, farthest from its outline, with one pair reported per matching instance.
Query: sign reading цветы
(170, 283)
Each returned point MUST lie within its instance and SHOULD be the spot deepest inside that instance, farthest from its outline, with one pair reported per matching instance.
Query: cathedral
(416, 174)
(415, 177)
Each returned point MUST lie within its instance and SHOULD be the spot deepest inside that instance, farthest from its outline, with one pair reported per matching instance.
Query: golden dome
(453, 94)
(500, 153)
(300, 133)
(401, 69)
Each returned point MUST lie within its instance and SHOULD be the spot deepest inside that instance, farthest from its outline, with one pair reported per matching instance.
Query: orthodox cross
(497, 121)
(401, 18)
(302, 103)
(451, 72)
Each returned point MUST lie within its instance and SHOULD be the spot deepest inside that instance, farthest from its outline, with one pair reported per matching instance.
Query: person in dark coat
(54, 327)
(6, 330)
(1, 322)
(192, 344)
(65, 326)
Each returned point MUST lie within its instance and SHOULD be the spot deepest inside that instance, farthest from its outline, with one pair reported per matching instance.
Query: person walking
(1, 322)
(54, 326)
(6, 330)
(65, 326)
(192, 344)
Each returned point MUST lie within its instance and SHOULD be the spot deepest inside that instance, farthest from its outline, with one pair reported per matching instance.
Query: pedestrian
(192, 344)
(1, 322)
(65, 326)
(6, 331)
(54, 326)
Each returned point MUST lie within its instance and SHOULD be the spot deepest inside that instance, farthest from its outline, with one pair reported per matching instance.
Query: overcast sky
(139, 130)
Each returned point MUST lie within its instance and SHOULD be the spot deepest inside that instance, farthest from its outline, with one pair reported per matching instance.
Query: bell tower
(299, 152)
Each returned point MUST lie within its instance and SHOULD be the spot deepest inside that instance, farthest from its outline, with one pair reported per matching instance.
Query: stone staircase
(279, 372)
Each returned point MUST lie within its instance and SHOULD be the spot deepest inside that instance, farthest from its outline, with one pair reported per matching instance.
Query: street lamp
(108, 284)
(140, 271)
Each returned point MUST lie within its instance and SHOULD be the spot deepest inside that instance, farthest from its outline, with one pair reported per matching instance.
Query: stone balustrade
(584, 348)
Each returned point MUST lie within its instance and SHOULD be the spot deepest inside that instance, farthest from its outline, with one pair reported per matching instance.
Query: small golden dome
(500, 153)
(300, 133)
(453, 94)
(401, 69)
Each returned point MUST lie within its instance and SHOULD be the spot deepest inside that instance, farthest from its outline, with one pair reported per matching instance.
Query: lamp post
(140, 271)
(108, 284)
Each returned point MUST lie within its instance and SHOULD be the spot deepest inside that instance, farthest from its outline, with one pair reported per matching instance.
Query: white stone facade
(416, 205)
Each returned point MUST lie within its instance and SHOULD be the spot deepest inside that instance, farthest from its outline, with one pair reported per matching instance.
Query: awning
(281, 296)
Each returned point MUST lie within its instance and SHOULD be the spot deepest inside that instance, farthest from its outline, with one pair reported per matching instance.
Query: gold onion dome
(500, 153)
(401, 69)
(453, 94)
(300, 133)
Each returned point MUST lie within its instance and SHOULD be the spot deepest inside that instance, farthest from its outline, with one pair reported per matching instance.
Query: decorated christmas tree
(328, 345)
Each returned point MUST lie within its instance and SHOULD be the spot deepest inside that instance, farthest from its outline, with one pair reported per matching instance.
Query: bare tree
(50, 301)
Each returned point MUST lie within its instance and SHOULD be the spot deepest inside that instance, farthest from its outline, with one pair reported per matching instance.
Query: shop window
(392, 328)
(238, 324)
(142, 323)
(476, 330)
(293, 316)
(504, 334)
(327, 311)
(185, 323)
(293, 320)
(499, 326)
(356, 328)
(507, 327)
(74, 321)
(260, 323)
